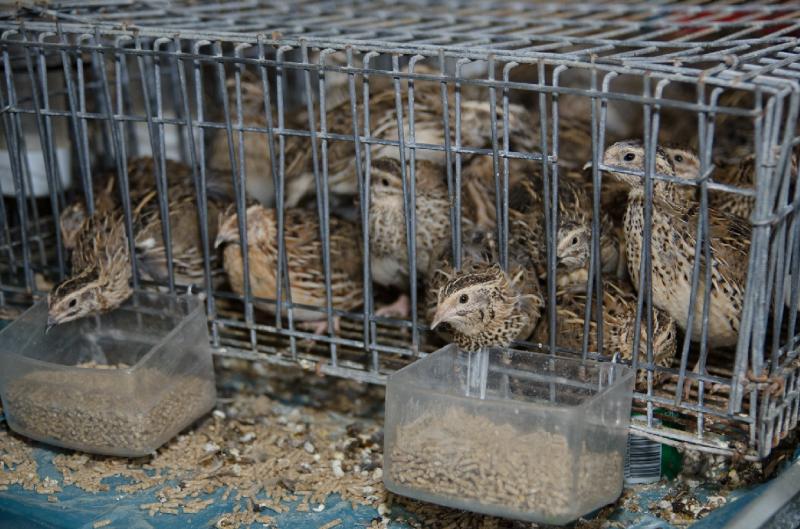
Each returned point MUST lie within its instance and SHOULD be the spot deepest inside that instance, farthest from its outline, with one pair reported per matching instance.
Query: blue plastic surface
(77, 509)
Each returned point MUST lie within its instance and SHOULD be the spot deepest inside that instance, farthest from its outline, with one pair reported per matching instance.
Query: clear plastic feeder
(508, 433)
(121, 383)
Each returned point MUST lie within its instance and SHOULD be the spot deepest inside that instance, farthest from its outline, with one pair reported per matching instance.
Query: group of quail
(477, 304)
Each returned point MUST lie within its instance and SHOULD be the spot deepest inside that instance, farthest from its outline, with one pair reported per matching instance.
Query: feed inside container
(538, 438)
(122, 383)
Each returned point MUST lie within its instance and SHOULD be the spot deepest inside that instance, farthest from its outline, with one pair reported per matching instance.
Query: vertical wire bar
(98, 55)
(503, 219)
(458, 251)
(323, 198)
(748, 316)
(81, 127)
(655, 124)
(498, 193)
(408, 214)
(448, 148)
(764, 186)
(36, 225)
(198, 173)
(14, 132)
(594, 258)
(105, 128)
(363, 200)
(131, 140)
(79, 133)
(411, 208)
(783, 183)
(240, 185)
(236, 176)
(183, 147)
(158, 150)
(202, 179)
(365, 205)
(283, 268)
(363, 197)
(550, 194)
(41, 101)
(57, 192)
(705, 128)
(276, 177)
(644, 288)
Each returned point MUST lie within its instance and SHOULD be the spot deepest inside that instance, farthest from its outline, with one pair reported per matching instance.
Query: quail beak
(442, 314)
(587, 165)
(50, 324)
(221, 239)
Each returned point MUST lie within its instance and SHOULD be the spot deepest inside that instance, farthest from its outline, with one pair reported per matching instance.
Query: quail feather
(619, 322)
(673, 240)
(429, 114)
(100, 258)
(304, 254)
(482, 305)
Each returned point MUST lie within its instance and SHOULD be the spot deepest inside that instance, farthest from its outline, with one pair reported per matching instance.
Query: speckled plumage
(740, 173)
(341, 160)
(388, 245)
(101, 268)
(619, 322)
(674, 225)
(304, 256)
(499, 306)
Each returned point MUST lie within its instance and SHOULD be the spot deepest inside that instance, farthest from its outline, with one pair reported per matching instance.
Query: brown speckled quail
(673, 242)
(619, 322)
(101, 267)
(341, 159)
(741, 173)
(141, 180)
(482, 305)
(388, 244)
(304, 256)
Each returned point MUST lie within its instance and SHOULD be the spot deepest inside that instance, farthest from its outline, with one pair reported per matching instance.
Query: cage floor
(56, 488)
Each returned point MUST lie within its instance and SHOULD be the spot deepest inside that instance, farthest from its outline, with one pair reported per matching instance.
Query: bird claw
(401, 308)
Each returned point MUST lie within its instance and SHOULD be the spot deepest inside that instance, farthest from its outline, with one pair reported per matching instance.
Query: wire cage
(299, 108)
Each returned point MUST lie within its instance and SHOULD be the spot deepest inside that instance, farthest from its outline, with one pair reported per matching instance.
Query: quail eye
(679, 158)
(385, 182)
(575, 240)
(73, 302)
(629, 157)
(463, 299)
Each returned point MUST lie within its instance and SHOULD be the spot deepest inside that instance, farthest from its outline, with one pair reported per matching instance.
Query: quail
(304, 254)
(100, 260)
(341, 159)
(574, 246)
(619, 322)
(741, 173)
(388, 246)
(141, 180)
(483, 305)
(673, 241)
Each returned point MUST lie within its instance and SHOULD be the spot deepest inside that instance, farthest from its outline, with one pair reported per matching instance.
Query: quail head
(673, 240)
(304, 253)
(740, 173)
(482, 305)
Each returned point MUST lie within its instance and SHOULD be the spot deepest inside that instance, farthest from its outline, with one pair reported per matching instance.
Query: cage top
(723, 41)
